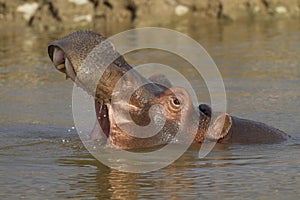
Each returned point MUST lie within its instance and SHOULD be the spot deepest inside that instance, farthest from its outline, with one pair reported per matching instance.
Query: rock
(290, 8)
(86, 18)
(280, 10)
(9, 13)
(114, 15)
(111, 16)
(181, 10)
(155, 13)
(208, 8)
(236, 9)
(28, 10)
(79, 2)
(53, 13)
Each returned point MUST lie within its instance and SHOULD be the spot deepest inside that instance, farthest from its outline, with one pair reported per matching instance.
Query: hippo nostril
(205, 109)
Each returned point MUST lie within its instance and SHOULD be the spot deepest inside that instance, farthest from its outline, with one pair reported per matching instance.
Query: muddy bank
(109, 14)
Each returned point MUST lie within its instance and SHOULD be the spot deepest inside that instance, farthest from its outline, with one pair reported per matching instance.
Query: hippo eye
(176, 101)
(175, 104)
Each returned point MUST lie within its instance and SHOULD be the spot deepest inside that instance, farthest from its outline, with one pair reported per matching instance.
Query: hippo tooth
(61, 66)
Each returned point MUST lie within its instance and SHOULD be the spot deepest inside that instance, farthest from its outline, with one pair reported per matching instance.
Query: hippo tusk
(60, 67)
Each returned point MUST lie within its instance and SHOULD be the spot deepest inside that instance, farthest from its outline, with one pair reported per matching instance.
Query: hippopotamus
(99, 72)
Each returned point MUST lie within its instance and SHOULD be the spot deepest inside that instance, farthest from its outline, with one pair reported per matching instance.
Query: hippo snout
(205, 109)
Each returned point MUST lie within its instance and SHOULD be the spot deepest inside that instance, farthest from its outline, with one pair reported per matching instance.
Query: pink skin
(102, 126)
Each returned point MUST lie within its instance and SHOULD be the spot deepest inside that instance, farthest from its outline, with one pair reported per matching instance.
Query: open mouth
(102, 123)
(61, 62)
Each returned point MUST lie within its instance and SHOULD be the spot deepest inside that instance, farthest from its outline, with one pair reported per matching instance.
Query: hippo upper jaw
(63, 64)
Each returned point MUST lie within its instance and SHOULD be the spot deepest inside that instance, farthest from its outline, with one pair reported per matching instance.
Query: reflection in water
(226, 173)
(260, 65)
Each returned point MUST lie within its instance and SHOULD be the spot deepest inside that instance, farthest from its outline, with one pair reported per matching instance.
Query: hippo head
(75, 56)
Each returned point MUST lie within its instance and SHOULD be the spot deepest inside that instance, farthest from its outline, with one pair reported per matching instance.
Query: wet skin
(244, 131)
(71, 56)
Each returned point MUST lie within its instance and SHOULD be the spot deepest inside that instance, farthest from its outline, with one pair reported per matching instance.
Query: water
(43, 157)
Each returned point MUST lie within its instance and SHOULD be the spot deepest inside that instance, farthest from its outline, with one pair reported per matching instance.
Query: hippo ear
(220, 127)
(161, 80)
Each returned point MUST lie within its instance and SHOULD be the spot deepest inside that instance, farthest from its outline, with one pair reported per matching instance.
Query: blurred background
(112, 16)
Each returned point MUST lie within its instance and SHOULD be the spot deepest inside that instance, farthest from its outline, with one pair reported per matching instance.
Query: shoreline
(113, 15)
